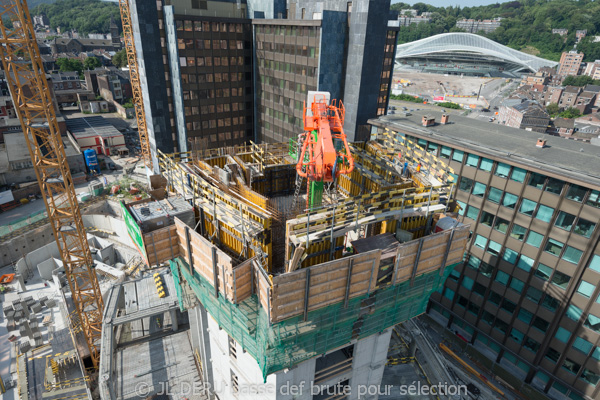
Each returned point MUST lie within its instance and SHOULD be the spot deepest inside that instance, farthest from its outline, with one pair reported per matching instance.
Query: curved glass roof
(469, 42)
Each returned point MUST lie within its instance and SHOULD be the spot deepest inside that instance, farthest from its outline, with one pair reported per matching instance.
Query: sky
(446, 3)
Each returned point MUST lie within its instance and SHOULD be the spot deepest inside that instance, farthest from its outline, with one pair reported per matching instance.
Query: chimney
(541, 143)
(445, 118)
(427, 121)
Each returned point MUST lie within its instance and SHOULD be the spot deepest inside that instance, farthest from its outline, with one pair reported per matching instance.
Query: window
(449, 293)
(487, 218)
(465, 184)
(486, 164)
(534, 294)
(572, 255)
(527, 207)
(582, 345)
(550, 303)
(596, 354)
(543, 272)
(502, 277)
(501, 225)
(525, 316)
(576, 193)
(573, 312)
(445, 152)
(562, 334)
(537, 180)
(525, 263)
(584, 228)
(510, 200)
(479, 189)
(472, 160)
(480, 241)
(502, 170)
(590, 377)
(540, 324)
(571, 366)
(552, 354)
(232, 348)
(561, 280)
(518, 175)
(473, 262)
(463, 206)
(494, 248)
(564, 220)
(553, 247)
(479, 289)
(554, 186)
(594, 199)
(472, 212)
(544, 213)
(508, 306)
(534, 239)
(517, 285)
(486, 269)
(487, 317)
(518, 232)
(510, 256)
(586, 289)
(495, 298)
(454, 275)
(458, 155)
(516, 335)
(595, 263)
(468, 282)
(531, 345)
(495, 195)
(501, 325)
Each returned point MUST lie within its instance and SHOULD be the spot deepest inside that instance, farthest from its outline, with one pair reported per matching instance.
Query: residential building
(110, 88)
(580, 34)
(592, 69)
(528, 115)
(570, 63)
(409, 12)
(41, 20)
(569, 96)
(553, 95)
(562, 127)
(585, 102)
(560, 31)
(591, 119)
(88, 104)
(594, 89)
(404, 20)
(526, 295)
(538, 78)
(474, 26)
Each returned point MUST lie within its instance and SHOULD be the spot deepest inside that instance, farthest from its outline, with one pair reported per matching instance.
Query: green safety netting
(281, 345)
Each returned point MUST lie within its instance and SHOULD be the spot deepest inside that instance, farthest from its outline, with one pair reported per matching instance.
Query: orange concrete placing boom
(33, 104)
(319, 160)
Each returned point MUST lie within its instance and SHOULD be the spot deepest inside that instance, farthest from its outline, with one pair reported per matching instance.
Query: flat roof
(16, 147)
(572, 160)
(91, 126)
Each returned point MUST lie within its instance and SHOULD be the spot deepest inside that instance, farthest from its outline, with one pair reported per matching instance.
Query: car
(404, 108)
(407, 114)
(485, 110)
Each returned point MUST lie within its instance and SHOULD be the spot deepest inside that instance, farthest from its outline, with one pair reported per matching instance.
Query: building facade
(570, 63)
(527, 296)
(474, 26)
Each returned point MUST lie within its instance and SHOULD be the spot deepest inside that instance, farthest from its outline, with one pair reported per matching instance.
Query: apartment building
(528, 115)
(570, 63)
(474, 26)
(527, 296)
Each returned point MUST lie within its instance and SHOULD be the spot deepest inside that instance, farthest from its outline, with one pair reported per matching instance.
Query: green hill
(526, 25)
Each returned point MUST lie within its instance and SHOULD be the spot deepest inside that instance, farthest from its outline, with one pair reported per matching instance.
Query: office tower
(527, 297)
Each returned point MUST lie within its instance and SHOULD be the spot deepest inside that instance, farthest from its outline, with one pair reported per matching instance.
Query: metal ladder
(299, 181)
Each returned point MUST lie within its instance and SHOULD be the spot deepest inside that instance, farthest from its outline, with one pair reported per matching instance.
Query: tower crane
(325, 154)
(33, 105)
(136, 87)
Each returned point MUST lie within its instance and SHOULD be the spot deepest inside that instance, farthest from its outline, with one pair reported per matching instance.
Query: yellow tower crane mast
(134, 77)
(34, 106)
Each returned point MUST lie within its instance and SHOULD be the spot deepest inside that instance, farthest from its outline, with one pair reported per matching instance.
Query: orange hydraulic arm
(323, 162)
(136, 87)
(33, 104)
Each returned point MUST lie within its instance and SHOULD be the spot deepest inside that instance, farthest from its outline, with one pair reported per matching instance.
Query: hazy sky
(462, 3)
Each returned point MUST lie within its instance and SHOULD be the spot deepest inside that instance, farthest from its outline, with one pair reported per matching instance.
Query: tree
(91, 63)
(580, 80)
(69, 64)
(570, 113)
(552, 109)
(119, 60)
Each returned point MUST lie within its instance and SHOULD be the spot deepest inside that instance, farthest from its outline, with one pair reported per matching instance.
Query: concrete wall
(370, 357)
(46, 267)
(38, 256)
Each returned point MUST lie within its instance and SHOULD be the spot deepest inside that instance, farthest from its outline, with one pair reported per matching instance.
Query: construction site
(246, 271)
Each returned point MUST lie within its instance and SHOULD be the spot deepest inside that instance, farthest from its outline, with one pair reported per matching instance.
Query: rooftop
(16, 147)
(572, 160)
(91, 126)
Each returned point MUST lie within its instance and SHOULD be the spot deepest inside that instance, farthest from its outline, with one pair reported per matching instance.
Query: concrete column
(370, 357)
(174, 323)
(21, 282)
